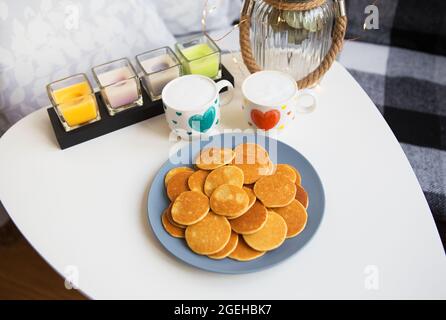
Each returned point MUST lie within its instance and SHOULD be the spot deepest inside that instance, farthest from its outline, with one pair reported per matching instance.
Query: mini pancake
(251, 196)
(174, 171)
(228, 249)
(190, 207)
(252, 221)
(253, 172)
(170, 228)
(271, 168)
(253, 160)
(197, 179)
(228, 200)
(286, 170)
(208, 236)
(178, 184)
(275, 191)
(169, 217)
(250, 153)
(213, 158)
(298, 176)
(295, 217)
(252, 200)
(223, 175)
(271, 236)
(302, 196)
(243, 252)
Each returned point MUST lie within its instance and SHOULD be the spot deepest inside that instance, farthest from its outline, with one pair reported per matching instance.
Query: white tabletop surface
(86, 207)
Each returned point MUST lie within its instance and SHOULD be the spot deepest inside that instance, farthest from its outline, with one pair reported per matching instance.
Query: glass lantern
(294, 42)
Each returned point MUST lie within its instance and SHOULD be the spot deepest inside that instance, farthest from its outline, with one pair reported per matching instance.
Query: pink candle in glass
(119, 87)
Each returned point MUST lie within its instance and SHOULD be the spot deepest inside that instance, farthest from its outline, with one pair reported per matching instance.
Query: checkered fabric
(402, 66)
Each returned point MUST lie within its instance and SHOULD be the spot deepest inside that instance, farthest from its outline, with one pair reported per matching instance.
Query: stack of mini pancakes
(235, 203)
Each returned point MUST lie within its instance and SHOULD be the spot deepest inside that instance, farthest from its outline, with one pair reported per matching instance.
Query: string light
(204, 16)
(205, 13)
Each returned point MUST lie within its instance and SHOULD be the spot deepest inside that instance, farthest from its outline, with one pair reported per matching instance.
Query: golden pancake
(178, 184)
(228, 200)
(253, 172)
(253, 160)
(169, 216)
(252, 221)
(252, 200)
(174, 171)
(271, 168)
(212, 158)
(275, 191)
(250, 153)
(228, 249)
(295, 217)
(251, 196)
(243, 252)
(271, 236)
(190, 207)
(197, 179)
(170, 228)
(223, 175)
(298, 176)
(302, 196)
(208, 236)
(286, 170)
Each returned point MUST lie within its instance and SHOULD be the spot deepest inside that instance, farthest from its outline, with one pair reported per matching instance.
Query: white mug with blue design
(192, 104)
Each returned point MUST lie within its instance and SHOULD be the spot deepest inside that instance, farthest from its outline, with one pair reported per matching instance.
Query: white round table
(84, 209)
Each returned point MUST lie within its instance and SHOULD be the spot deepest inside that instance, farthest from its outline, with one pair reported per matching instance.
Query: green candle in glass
(200, 56)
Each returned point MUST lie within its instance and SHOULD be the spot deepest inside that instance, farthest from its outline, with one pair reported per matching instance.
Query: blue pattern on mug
(203, 123)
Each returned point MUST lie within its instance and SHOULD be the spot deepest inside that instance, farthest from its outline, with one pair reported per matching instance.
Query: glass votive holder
(119, 85)
(158, 67)
(200, 56)
(74, 101)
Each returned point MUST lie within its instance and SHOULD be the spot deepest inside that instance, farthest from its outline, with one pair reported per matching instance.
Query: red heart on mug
(266, 120)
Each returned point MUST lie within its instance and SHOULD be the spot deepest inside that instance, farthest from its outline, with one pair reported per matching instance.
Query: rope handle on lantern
(336, 45)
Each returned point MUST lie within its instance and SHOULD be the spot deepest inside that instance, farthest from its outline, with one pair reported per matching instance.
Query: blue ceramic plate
(158, 201)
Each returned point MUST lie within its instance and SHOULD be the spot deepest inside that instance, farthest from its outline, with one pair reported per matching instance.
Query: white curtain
(45, 40)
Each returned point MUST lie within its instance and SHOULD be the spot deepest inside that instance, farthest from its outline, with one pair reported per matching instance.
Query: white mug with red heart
(272, 98)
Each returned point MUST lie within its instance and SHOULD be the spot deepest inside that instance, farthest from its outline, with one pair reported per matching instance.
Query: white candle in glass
(119, 87)
(159, 72)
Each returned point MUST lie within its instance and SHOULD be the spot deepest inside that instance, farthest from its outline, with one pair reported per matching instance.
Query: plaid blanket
(402, 66)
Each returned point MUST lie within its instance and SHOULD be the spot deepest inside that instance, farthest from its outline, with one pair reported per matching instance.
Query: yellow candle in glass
(201, 59)
(76, 104)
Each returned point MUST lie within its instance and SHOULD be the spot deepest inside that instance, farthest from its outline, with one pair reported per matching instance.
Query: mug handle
(306, 108)
(226, 97)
